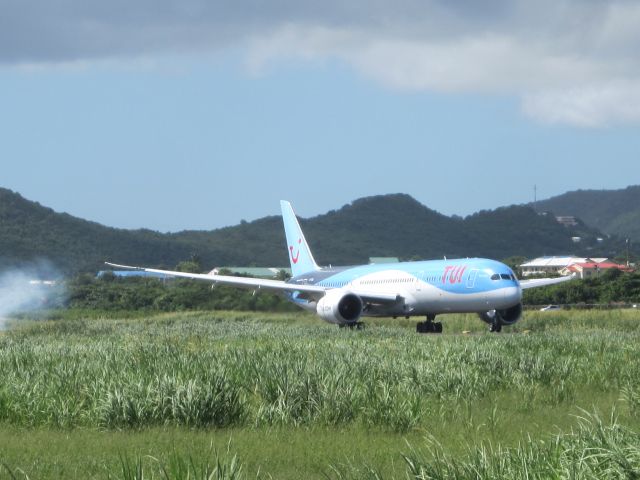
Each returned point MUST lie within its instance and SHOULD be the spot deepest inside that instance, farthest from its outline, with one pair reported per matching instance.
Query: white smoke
(26, 290)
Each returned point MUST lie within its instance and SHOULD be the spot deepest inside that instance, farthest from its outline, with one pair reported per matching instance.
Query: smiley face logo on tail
(294, 258)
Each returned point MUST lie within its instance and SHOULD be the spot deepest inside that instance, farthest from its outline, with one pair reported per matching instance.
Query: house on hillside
(377, 260)
(553, 265)
(567, 221)
(592, 269)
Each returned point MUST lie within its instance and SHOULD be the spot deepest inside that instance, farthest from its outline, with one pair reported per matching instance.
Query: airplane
(343, 295)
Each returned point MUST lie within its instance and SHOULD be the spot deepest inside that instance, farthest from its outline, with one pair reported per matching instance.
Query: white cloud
(571, 61)
(587, 106)
(558, 84)
(490, 63)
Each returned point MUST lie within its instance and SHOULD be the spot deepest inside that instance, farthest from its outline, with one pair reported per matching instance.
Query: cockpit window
(505, 276)
(495, 276)
(513, 277)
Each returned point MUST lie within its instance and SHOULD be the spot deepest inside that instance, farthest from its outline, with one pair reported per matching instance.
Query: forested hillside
(616, 212)
(387, 225)
(30, 232)
(398, 225)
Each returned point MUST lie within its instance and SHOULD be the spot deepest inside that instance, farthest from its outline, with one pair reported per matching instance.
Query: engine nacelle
(340, 307)
(507, 316)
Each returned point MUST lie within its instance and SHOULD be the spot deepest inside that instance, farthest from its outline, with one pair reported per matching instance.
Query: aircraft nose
(512, 295)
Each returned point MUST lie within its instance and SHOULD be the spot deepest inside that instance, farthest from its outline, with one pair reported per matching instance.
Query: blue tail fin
(300, 256)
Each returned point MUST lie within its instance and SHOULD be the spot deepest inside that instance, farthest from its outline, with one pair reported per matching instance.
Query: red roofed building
(592, 269)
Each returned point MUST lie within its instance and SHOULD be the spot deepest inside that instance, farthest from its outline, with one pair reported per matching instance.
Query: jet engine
(507, 316)
(340, 307)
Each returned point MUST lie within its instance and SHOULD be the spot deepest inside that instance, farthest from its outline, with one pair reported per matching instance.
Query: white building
(567, 221)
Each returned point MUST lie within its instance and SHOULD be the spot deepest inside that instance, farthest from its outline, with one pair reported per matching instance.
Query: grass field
(233, 395)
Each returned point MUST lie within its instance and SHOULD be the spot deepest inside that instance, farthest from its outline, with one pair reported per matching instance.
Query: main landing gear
(353, 326)
(429, 326)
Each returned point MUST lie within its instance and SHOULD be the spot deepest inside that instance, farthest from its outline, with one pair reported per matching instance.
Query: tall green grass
(181, 467)
(489, 405)
(595, 450)
(212, 370)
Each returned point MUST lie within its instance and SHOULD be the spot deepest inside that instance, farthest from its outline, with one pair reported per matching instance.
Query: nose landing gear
(496, 322)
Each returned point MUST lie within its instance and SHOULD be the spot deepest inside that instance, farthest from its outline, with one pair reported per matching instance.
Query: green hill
(387, 225)
(397, 225)
(30, 232)
(615, 212)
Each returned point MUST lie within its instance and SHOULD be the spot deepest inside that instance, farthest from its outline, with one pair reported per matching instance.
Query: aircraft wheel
(495, 327)
(428, 327)
(353, 326)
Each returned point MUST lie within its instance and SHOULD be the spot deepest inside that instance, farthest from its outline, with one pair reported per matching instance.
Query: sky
(197, 114)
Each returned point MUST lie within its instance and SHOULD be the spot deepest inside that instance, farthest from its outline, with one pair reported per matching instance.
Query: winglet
(128, 267)
(300, 256)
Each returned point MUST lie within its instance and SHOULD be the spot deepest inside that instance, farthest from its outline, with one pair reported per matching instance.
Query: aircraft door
(418, 281)
(471, 279)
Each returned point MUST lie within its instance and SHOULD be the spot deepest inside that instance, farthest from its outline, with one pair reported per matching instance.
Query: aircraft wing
(313, 291)
(543, 282)
(256, 283)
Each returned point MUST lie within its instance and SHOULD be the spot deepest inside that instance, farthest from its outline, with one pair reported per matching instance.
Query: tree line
(109, 292)
(611, 287)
